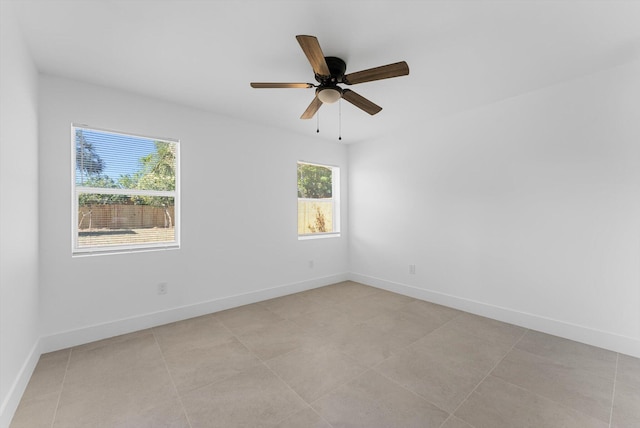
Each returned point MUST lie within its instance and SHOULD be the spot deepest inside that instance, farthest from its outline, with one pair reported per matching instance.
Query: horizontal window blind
(125, 192)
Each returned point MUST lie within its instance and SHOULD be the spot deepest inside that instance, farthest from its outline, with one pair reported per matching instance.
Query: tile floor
(345, 355)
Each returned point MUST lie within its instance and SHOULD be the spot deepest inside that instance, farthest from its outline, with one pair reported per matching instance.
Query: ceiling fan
(329, 72)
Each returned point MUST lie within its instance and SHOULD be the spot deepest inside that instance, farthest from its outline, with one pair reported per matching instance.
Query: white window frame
(335, 196)
(77, 190)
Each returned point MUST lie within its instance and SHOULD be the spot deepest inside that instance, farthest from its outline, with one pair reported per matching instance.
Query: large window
(318, 200)
(125, 192)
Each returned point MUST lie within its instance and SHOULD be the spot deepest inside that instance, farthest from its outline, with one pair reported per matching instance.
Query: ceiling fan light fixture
(329, 95)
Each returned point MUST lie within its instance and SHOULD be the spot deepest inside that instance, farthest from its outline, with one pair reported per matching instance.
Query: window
(125, 192)
(318, 200)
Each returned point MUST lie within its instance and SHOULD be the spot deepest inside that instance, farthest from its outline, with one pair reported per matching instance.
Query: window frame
(335, 197)
(77, 251)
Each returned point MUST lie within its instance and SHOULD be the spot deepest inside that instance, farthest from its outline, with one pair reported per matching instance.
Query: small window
(318, 200)
(125, 192)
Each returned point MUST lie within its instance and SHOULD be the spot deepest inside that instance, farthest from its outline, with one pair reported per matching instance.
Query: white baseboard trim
(602, 339)
(10, 404)
(92, 333)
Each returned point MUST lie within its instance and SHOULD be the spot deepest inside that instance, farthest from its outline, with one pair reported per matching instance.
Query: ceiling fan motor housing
(337, 68)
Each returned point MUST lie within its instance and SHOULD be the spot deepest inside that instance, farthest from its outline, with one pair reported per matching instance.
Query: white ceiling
(462, 54)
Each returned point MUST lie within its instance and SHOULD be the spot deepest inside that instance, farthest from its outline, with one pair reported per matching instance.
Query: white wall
(18, 215)
(526, 210)
(229, 255)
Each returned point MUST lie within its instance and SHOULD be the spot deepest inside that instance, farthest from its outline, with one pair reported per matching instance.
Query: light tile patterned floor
(345, 355)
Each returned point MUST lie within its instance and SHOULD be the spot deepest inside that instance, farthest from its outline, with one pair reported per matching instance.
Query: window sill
(122, 250)
(318, 236)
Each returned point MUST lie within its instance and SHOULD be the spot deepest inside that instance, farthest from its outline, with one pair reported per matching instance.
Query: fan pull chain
(317, 122)
(340, 119)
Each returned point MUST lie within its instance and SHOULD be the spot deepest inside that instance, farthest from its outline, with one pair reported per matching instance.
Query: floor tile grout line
(237, 337)
(377, 291)
(556, 360)
(550, 360)
(349, 380)
(320, 416)
(309, 403)
(526, 389)
(264, 363)
(412, 392)
(366, 367)
(372, 369)
(330, 307)
(451, 415)
(490, 371)
(344, 300)
(66, 369)
(444, 324)
(401, 348)
(463, 313)
(175, 388)
(299, 294)
(219, 321)
(613, 393)
(558, 403)
(234, 336)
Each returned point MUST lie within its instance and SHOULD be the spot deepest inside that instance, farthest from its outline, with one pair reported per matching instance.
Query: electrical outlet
(163, 288)
(412, 269)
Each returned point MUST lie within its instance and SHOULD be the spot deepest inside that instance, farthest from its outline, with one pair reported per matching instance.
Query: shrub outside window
(125, 192)
(318, 200)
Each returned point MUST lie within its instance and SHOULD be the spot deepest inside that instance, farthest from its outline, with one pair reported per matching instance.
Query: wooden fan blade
(360, 102)
(280, 85)
(378, 73)
(312, 109)
(312, 50)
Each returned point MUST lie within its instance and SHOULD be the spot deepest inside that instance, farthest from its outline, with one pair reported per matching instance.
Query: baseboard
(10, 404)
(601, 339)
(92, 333)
